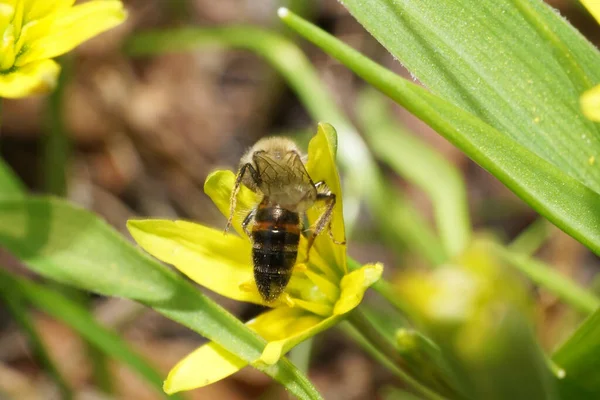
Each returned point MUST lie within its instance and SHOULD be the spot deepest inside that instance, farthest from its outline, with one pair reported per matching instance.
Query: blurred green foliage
(503, 81)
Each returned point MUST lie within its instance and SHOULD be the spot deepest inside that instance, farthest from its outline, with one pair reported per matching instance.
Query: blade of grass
(72, 246)
(79, 319)
(560, 198)
(551, 280)
(362, 179)
(15, 303)
(578, 357)
(415, 161)
(517, 65)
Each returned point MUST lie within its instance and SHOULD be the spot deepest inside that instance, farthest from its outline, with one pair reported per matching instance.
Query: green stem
(300, 355)
(532, 238)
(56, 141)
(383, 287)
(384, 351)
(362, 176)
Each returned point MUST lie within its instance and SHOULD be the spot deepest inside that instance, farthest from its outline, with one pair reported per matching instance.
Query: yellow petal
(205, 365)
(278, 323)
(284, 328)
(330, 291)
(354, 285)
(321, 167)
(593, 6)
(35, 9)
(35, 78)
(590, 103)
(65, 31)
(218, 187)
(219, 262)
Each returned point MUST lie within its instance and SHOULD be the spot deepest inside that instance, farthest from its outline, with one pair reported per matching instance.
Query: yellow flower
(590, 100)
(317, 296)
(35, 31)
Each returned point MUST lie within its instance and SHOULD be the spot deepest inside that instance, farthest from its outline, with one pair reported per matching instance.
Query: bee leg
(236, 189)
(325, 218)
(249, 218)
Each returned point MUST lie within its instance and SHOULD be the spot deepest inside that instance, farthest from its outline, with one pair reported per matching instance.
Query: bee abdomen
(274, 254)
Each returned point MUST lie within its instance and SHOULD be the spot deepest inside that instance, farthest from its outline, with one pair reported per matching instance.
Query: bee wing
(298, 170)
(290, 169)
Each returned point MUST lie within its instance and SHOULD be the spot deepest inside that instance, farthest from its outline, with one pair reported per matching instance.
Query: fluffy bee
(274, 168)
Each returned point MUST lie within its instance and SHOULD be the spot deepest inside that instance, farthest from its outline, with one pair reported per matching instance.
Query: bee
(274, 168)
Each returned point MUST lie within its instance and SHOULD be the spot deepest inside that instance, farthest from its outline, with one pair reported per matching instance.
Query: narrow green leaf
(578, 357)
(16, 304)
(517, 65)
(79, 319)
(421, 165)
(563, 200)
(10, 185)
(398, 219)
(74, 247)
(532, 238)
(390, 393)
(549, 279)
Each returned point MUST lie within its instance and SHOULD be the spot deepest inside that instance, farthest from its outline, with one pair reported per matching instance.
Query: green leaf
(398, 219)
(79, 319)
(74, 247)
(421, 165)
(560, 198)
(517, 65)
(578, 357)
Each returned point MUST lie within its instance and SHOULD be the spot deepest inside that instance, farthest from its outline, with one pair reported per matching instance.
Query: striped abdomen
(275, 238)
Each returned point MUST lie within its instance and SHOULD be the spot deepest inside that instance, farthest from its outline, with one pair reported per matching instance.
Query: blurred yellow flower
(317, 296)
(35, 31)
(590, 100)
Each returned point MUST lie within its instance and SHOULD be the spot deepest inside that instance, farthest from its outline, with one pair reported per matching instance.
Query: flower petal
(354, 285)
(284, 328)
(321, 167)
(58, 34)
(205, 365)
(219, 262)
(35, 9)
(590, 103)
(218, 187)
(593, 6)
(35, 78)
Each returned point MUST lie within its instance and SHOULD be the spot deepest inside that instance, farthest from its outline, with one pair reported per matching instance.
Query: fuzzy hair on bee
(275, 169)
